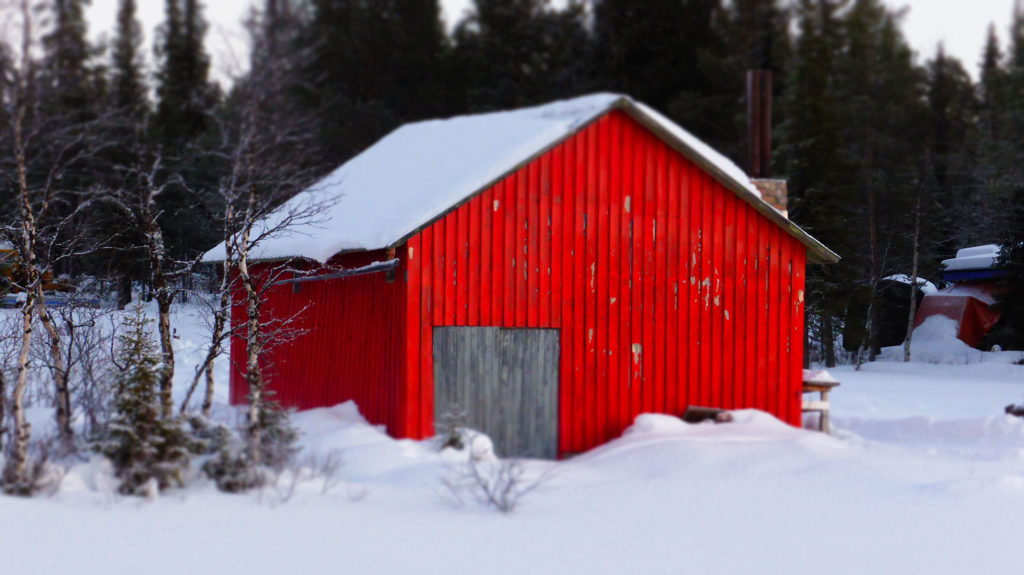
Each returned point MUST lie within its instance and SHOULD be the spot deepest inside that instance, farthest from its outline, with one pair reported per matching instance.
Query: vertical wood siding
(348, 344)
(669, 291)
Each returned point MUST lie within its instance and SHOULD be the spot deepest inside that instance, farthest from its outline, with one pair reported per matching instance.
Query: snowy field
(924, 475)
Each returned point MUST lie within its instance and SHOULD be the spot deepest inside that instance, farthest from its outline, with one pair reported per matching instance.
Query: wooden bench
(820, 405)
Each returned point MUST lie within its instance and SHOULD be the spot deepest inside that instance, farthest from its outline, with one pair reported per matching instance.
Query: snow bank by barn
(422, 170)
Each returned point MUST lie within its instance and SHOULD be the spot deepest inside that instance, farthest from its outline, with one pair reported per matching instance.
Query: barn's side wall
(346, 343)
(670, 291)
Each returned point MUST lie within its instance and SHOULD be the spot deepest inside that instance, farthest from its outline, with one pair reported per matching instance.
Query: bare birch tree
(137, 198)
(45, 147)
(268, 163)
(221, 316)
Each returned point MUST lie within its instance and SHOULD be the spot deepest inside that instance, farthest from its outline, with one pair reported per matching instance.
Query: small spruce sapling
(451, 427)
(240, 464)
(144, 448)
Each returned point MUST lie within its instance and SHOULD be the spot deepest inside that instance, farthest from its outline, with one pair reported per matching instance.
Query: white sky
(960, 24)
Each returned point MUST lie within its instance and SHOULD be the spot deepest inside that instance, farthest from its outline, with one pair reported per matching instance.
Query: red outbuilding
(554, 271)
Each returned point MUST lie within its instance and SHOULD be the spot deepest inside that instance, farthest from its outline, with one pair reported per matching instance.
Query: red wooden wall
(348, 347)
(669, 290)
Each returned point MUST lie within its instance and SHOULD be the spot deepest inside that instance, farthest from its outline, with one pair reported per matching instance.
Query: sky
(961, 25)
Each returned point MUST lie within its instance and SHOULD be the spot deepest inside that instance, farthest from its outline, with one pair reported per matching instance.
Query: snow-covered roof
(974, 258)
(423, 170)
(5, 246)
(983, 293)
(924, 285)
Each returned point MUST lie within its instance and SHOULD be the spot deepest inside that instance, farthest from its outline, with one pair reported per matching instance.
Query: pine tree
(997, 144)
(130, 110)
(374, 65)
(992, 86)
(670, 54)
(147, 451)
(757, 36)
(184, 95)
(1010, 331)
(181, 128)
(67, 54)
(517, 53)
(811, 154)
(950, 204)
(883, 117)
(128, 85)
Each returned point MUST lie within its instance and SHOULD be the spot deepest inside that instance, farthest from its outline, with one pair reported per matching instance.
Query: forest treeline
(872, 140)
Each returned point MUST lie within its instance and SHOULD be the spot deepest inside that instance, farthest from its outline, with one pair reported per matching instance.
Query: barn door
(505, 380)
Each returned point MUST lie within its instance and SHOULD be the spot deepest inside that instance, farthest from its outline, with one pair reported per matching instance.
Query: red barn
(555, 271)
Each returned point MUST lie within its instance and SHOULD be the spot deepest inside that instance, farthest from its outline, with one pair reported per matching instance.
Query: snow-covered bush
(239, 465)
(490, 480)
(451, 427)
(232, 469)
(145, 449)
(42, 474)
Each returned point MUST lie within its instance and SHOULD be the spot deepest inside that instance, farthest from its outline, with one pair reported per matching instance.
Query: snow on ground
(924, 475)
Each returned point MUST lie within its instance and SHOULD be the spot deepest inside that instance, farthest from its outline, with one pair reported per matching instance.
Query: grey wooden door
(506, 382)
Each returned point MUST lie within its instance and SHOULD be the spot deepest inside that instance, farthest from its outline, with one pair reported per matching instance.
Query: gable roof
(421, 171)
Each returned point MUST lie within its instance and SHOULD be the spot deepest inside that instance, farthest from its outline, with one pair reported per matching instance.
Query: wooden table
(821, 404)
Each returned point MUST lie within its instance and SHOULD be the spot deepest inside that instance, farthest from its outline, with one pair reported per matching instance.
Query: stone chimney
(775, 192)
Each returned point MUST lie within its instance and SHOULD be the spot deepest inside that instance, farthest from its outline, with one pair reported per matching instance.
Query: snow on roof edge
(578, 113)
(973, 258)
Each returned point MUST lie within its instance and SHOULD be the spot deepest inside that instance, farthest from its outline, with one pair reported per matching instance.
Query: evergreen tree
(758, 38)
(181, 127)
(67, 54)
(184, 95)
(128, 83)
(992, 87)
(129, 114)
(373, 64)
(517, 53)
(883, 117)
(670, 54)
(1010, 330)
(997, 144)
(147, 451)
(822, 200)
(949, 201)
(70, 93)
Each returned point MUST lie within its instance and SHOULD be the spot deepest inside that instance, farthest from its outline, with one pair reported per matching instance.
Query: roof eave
(817, 252)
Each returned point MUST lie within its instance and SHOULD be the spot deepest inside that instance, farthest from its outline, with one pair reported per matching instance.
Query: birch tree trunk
(220, 321)
(205, 371)
(14, 475)
(253, 344)
(913, 279)
(58, 367)
(164, 299)
(17, 461)
(3, 411)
